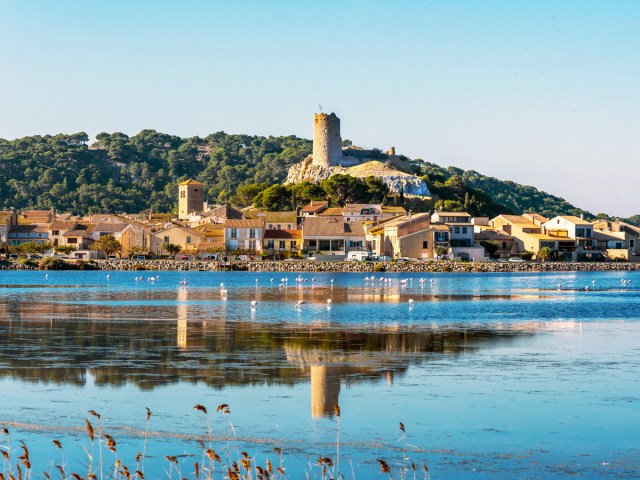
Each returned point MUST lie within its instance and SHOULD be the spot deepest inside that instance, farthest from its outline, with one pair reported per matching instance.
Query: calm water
(493, 375)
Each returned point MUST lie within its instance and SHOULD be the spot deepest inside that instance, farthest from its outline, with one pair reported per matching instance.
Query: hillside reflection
(65, 344)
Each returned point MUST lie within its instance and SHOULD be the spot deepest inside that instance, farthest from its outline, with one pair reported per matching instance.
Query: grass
(233, 465)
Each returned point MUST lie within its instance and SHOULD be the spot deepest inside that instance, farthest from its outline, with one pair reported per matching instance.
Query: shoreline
(323, 266)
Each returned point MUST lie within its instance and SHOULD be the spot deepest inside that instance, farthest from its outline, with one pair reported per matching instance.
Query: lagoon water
(493, 375)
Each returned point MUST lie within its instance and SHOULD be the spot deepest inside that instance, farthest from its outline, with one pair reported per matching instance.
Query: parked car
(184, 257)
(112, 257)
(13, 255)
(140, 257)
(516, 260)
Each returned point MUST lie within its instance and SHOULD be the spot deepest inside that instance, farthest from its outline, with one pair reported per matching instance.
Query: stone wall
(364, 267)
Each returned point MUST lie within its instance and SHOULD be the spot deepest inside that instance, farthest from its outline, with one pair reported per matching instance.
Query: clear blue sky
(545, 93)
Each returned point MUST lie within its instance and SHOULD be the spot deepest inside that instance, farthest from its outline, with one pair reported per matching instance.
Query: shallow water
(498, 375)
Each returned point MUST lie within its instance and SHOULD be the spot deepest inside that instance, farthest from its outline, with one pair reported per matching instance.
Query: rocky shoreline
(316, 266)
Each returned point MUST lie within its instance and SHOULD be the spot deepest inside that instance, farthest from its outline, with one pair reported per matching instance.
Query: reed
(243, 467)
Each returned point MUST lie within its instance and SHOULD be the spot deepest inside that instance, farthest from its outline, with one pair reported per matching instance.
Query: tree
(246, 194)
(376, 188)
(342, 189)
(544, 253)
(275, 198)
(171, 248)
(490, 246)
(441, 251)
(107, 244)
(65, 249)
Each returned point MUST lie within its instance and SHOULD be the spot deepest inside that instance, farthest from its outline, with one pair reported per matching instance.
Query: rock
(396, 180)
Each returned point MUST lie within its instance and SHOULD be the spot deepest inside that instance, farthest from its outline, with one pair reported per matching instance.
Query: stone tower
(190, 198)
(327, 143)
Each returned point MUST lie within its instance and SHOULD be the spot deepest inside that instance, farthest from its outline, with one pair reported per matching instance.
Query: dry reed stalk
(404, 451)
(97, 415)
(336, 410)
(146, 435)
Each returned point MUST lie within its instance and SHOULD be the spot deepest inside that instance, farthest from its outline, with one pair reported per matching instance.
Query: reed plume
(146, 435)
(384, 468)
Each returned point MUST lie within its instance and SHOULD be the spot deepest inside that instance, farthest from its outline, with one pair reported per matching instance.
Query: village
(360, 232)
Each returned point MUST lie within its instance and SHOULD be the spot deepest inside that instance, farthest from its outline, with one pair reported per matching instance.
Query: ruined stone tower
(327, 143)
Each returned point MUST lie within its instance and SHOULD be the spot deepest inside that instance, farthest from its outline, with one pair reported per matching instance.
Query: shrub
(53, 263)
(379, 268)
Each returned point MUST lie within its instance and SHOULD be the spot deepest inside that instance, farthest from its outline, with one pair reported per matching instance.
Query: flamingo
(411, 304)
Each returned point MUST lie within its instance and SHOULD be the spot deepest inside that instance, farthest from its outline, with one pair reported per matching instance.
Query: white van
(358, 256)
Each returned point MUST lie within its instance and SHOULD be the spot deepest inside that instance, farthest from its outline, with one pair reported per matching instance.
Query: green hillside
(119, 173)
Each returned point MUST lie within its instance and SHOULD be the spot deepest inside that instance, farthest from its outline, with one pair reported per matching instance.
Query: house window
(313, 243)
(632, 243)
(504, 244)
(251, 232)
(188, 239)
(72, 240)
(233, 233)
(425, 245)
(456, 230)
(464, 229)
(55, 232)
(270, 226)
(279, 227)
(324, 244)
(166, 239)
(182, 194)
(270, 244)
(282, 244)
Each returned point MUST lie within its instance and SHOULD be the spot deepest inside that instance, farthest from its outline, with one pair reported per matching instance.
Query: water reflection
(64, 343)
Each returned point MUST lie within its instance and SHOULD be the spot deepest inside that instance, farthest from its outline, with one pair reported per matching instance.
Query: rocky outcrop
(396, 180)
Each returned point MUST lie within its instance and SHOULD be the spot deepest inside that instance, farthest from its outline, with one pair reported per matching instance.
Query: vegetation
(108, 244)
(119, 173)
(130, 174)
(203, 460)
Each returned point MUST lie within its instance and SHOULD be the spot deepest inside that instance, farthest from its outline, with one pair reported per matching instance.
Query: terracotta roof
(453, 214)
(279, 217)
(492, 235)
(232, 223)
(210, 227)
(191, 182)
(224, 211)
(110, 227)
(323, 227)
(62, 224)
(284, 234)
(353, 229)
(332, 212)
(402, 219)
(514, 218)
(389, 209)
(314, 206)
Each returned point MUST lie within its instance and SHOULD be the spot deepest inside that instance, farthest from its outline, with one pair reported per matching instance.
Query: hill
(119, 173)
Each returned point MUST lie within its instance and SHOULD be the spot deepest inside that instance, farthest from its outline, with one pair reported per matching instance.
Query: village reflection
(191, 342)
